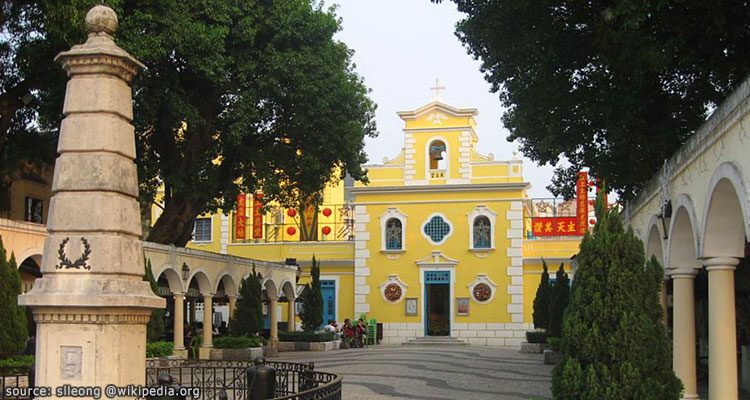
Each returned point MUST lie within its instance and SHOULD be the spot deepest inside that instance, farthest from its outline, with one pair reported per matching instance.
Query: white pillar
(722, 334)
(91, 305)
(683, 352)
(208, 317)
(290, 326)
(273, 340)
(179, 323)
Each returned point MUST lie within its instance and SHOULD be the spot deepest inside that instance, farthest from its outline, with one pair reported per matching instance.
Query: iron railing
(13, 379)
(216, 378)
(335, 222)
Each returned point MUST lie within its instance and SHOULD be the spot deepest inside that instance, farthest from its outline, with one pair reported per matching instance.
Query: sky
(401, 47)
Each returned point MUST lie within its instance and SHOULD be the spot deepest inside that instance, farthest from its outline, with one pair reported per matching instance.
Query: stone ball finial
(101, 19)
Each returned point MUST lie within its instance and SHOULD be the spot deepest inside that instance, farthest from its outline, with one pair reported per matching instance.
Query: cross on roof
(437, 88)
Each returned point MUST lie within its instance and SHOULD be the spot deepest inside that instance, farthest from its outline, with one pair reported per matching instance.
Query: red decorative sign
(240, 218)
(257, 216)
(554, 226)
(582, 205)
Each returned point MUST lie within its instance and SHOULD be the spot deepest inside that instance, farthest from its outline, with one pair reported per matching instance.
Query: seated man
(348, 333)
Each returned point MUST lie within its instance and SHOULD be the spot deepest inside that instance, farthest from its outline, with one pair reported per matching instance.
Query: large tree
(616, 86)
(237, 95)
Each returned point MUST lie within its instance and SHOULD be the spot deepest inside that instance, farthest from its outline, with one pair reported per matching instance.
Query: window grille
(437, 228)
(482, 233)
(33, 210)
(393, 234)
(202, 230)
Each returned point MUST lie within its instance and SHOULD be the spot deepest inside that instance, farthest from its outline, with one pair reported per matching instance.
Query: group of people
(351, 335)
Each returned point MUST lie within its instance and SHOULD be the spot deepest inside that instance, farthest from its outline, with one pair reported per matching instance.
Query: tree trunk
(175, 225)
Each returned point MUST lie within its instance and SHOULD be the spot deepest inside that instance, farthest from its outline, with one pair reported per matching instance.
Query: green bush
(16, 364)
(554, 342)
(614, 345)
(13, 333)
(312, 300)
(559, 299)
(541, 300)
(305, 336)
(247, 319)
(536, 336)
(240, 342)
(159, 349)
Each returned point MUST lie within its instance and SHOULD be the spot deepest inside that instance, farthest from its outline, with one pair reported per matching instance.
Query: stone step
(437, 341)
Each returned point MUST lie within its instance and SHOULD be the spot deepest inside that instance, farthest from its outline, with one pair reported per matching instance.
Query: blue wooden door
(328, 291)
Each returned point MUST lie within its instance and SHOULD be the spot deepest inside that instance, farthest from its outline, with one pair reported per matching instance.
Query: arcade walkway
(434, 372)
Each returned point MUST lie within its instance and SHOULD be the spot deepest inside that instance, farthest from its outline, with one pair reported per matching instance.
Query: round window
(482, 292)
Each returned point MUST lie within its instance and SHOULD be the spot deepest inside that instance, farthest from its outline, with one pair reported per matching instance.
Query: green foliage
(612, 85)
(239, 342)
(305, 336)
(558, 302)
(262, 85)
(312, 300)
(155, 328)
(248, 313)
(554, 342)
(542, 299)
(159, 349)
(13, 333)
(536, 336)
(18, 364)
(614, 344)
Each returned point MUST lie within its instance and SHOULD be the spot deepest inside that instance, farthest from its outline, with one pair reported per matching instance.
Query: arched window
(437, 153)
(482, 232)
(393, 234)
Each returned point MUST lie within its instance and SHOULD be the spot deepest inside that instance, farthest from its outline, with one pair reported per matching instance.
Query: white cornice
(458, 112)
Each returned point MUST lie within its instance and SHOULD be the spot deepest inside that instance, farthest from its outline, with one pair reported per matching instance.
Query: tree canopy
(237, 95)
(614, 86)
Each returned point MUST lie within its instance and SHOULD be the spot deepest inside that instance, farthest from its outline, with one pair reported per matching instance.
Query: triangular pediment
(437, 258)
(437, 108)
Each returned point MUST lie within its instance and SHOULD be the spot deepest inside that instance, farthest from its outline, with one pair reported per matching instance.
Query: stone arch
(33, 253)
(204, 283)
(683, 238)
(270, 287)
(173, 278)
(30, 269)
(725, 224)
(287, 287)
(230, 285)
(654, 246)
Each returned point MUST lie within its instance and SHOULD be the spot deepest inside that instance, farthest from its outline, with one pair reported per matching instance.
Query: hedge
(240, 342)
(554, 343)
(159, 349)
(15, 364)
(305, 336)
(536, 336)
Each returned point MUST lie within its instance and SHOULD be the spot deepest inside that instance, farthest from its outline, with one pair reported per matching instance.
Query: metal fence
(14, 379)
(216, 378)
(333, 222)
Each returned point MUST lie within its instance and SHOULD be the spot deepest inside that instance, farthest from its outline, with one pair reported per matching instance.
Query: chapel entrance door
(328, 292)
(437, 303)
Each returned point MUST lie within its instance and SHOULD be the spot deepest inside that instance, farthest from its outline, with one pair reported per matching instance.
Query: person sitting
(331, 327)
(348, 332)
(361, 331)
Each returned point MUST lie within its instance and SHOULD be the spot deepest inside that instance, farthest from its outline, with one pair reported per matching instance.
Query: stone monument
(91, 306)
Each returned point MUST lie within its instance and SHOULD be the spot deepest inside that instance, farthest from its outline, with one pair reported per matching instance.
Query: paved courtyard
(434, 372)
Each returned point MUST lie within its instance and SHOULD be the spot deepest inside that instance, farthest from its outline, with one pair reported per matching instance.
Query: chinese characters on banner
(582, 199)
(240, 218)
(567, 226)
(257, 216)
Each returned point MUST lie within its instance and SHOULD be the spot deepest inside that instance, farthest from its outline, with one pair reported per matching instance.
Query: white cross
(437, 88)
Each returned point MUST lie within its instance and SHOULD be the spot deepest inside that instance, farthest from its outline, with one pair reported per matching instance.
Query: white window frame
(392, 212)
(210, 230)
(481, 210)
(447, 221)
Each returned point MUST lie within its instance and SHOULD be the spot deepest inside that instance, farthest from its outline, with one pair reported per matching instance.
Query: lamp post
(185, 272)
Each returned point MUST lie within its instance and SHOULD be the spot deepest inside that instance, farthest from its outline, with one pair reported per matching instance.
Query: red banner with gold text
(240, 218)
(582, 202)
(554, 226)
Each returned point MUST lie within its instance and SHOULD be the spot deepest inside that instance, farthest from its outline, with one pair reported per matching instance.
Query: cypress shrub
(541, 300)
(13, 333)
(312, 300)
(155, 328)
(614, 345)
(558, 302)
(248, 313)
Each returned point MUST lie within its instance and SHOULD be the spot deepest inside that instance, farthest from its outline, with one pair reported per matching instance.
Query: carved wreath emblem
(482, 292)
(393, 292)
(80, 262)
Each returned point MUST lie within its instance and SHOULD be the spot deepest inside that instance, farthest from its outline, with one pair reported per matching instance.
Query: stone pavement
(434, 372)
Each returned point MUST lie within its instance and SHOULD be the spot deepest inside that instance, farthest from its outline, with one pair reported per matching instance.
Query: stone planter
(248, 354)
(552, 357)
(309, 346)
(532, 348)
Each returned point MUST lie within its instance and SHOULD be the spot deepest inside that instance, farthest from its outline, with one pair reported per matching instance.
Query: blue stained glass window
(437, 228)
(393, 234)
(482, 233)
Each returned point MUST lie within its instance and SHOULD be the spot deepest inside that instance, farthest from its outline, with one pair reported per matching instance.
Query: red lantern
(592, 221)
(326, 230)
(327, 212)
(291, 212)
(291, 231)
